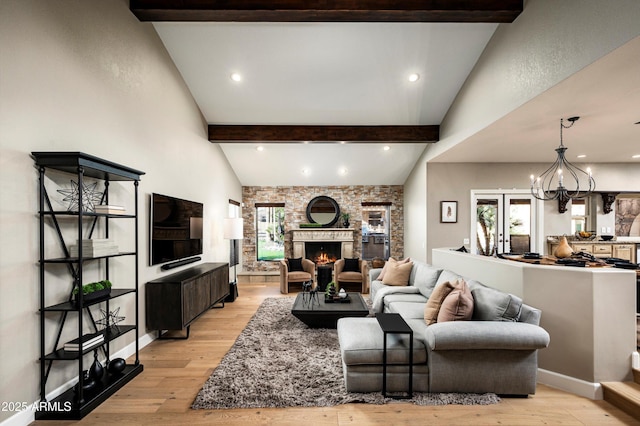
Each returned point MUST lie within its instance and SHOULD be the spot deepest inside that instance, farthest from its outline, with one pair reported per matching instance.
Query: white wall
(454, 181)
(415, 212)
(548, 42)
(88, 76)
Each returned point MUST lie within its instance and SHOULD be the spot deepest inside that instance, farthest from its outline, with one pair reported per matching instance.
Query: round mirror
(323, 210)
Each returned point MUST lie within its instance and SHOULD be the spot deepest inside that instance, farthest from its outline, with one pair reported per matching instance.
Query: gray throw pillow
(494, 305)
(424, 277)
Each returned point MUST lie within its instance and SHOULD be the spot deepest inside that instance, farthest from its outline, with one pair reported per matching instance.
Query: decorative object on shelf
(542, 187)
(93, 291)
(109, 209)
(86, 342)
(310, 225)
(96, 371)
(563, 250)
(90, 196)
(342, 293)
(88, 383)
(448, 211)
(345, 219)
(97, 247)
(116, 366)
(110, 320)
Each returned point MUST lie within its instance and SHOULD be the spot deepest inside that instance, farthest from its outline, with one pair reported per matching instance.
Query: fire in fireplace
(323, 253)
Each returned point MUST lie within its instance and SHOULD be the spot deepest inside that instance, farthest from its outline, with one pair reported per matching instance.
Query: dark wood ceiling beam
(288, 134)
(496, 11)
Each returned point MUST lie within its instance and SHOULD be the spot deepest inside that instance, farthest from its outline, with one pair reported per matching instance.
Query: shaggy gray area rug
(277, 361)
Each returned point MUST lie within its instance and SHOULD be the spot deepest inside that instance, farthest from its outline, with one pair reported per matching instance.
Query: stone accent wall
(349, 198)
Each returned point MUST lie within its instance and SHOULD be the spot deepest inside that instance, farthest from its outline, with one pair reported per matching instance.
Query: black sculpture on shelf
(116, 366)
(110, 320)
(96, 371)
(90, 196)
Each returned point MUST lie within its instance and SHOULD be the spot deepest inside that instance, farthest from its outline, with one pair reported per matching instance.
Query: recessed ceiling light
(582, 156)
(635, 156)
(236, 77)
(386, 148)
(305, 171)
(414, 77)
(344, 171)
(260, 148)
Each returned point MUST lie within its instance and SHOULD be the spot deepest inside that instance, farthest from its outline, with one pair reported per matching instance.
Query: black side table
(325, 272)
(395, 324)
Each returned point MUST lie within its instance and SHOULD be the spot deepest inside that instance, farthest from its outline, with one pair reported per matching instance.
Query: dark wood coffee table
(326, 315)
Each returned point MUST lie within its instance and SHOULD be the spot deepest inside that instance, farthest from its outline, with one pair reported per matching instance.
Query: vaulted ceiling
(323, 90)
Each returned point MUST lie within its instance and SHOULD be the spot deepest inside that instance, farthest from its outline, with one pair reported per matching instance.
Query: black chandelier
(550, 185)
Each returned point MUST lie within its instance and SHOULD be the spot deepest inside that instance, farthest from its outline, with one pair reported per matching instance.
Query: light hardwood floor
(175, 370)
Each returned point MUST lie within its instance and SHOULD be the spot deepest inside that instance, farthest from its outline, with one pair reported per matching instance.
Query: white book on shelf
(108, 207)
(87, 341)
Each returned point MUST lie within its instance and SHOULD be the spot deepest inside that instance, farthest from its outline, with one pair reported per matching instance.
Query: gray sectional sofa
(495, 352)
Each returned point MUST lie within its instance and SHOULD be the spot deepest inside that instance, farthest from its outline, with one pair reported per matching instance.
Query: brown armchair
(351, 277)
(287, 277)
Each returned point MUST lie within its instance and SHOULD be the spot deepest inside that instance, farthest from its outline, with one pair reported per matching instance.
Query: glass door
(487, 236)
(503, 222)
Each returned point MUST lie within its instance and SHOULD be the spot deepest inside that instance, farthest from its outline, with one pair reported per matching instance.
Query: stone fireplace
(325, 244)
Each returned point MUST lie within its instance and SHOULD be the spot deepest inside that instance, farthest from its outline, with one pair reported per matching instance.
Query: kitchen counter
(622, 249)
(572, 239)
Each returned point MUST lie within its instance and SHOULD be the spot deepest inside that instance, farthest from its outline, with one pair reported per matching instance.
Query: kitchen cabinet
(602, 249)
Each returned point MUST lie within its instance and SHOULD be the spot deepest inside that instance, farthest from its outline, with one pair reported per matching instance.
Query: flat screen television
(176, 229)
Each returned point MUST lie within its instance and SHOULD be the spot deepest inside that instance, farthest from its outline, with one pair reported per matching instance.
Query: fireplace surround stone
(299, 237)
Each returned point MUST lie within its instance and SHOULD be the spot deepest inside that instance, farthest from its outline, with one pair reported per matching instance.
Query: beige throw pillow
(458, 305)
(432, 308)
(398, 274)
(386, 266)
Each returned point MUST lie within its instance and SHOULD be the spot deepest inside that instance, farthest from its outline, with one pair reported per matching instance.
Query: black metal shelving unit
(76, 403)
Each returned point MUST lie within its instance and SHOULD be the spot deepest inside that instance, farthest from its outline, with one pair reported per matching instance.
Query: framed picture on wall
(448, 211)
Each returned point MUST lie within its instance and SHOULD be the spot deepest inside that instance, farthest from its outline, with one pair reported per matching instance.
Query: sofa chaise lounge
(495, 351)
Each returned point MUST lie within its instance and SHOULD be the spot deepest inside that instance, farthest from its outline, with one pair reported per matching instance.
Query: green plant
(91, 287)
(331, 285)
(345, 216)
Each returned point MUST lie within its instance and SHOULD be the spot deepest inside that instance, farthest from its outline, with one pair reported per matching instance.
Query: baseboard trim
(27, 416)
(570, 384)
